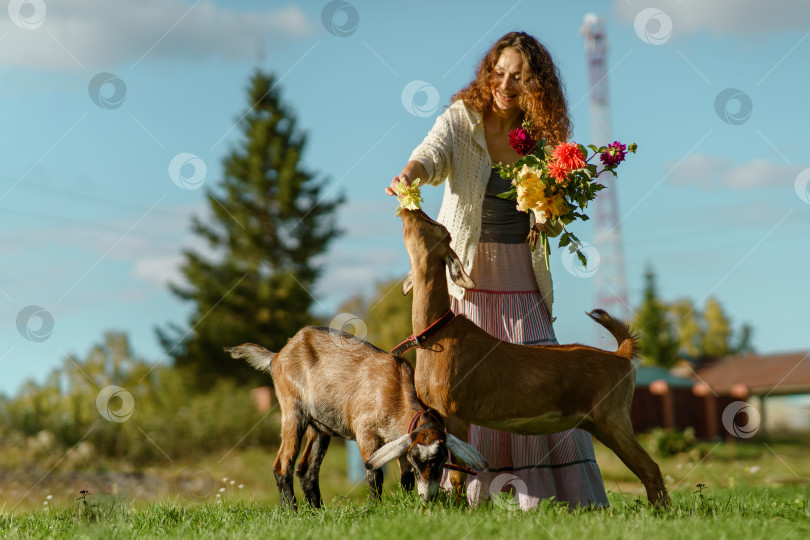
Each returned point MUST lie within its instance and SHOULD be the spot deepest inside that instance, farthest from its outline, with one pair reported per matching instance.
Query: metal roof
(762, 374)
(647, 374)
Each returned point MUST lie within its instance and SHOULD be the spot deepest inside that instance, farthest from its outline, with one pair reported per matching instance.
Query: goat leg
(292, 430)
(368, 445)
(309, 467)
(406, 474)
(616, 433)
(458, 479)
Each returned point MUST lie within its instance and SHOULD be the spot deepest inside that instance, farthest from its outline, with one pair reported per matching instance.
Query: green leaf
(582, 258)
(565, 239)
(593, 147)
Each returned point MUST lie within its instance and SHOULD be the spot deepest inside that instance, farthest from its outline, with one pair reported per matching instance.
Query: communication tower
(611, 281)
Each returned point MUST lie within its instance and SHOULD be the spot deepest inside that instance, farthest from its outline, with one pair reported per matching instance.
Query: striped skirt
(507, 305)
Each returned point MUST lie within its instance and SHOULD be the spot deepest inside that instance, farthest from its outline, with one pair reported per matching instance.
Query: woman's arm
(412, 170)
(430, 161)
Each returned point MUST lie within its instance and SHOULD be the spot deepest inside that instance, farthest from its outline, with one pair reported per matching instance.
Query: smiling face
(506, 80)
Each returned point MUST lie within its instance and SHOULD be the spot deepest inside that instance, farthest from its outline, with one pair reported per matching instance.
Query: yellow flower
(530, 188)
(529, 194)
(529, 174)
(557, 206)
(409, 197)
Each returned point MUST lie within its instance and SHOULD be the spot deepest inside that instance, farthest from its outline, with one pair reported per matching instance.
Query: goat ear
(466, 453)
(407, 285)
(388, 452)
(457, 273)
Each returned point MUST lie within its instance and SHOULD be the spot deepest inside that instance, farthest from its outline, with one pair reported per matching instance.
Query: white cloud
(159, 270)
(99, 34)
(714, 171)
(699, 169)
(724, 17)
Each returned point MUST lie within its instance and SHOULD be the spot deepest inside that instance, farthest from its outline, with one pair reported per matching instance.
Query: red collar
(420, 414)
(417, 341)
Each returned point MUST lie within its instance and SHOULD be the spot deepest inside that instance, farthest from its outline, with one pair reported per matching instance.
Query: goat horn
(388, 452)
(466, 453)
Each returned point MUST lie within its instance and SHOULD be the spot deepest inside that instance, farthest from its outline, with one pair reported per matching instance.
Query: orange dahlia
(557, 171)
(569, 155)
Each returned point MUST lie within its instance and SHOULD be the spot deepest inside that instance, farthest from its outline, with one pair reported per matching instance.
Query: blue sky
(93, 225)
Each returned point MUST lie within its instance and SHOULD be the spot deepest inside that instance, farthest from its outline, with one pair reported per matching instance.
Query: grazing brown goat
(469, 376)
(331, 384)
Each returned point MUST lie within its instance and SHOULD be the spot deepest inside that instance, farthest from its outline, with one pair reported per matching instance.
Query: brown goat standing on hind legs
(332, 384)
(546, 389)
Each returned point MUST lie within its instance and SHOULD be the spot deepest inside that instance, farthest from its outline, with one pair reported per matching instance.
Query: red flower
(521, 141)
(614, 154)
(569, 156)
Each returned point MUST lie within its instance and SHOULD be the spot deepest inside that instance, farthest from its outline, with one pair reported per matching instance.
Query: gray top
(501, 221)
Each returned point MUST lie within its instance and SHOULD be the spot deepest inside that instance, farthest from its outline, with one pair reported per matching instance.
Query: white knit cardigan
(455, 150)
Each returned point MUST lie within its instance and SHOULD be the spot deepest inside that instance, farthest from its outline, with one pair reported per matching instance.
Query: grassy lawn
(747, 491)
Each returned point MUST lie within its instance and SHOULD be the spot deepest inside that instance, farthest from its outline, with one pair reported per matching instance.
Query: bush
(669, 442)
(62, 422)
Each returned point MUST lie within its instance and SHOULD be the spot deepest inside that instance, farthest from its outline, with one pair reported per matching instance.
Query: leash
(459, 468)
(412, 426)
(413, 341)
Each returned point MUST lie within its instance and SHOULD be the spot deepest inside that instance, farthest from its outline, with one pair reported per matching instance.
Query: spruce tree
(270, 222)
(659, 341)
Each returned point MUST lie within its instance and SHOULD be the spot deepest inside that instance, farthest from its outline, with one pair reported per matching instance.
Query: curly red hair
(542, 99)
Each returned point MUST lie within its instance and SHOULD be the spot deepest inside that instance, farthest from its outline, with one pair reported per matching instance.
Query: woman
(516, 81)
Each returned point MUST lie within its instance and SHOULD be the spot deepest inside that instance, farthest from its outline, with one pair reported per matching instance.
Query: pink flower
(521, 141)
(569, 155)
(614, 154)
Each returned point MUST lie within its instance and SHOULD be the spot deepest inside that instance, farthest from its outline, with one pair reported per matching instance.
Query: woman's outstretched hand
(397, 179)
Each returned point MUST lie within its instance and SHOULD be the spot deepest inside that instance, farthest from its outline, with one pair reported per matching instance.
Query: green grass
(724, 513)
(749, 491)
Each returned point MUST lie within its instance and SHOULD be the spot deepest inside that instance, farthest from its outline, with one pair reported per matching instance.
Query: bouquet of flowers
(556, 183)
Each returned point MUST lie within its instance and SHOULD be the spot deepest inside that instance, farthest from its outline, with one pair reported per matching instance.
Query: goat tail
(258, 357)
(626, 338)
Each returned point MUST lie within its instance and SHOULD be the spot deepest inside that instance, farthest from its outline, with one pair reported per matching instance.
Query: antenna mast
(611, 281)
